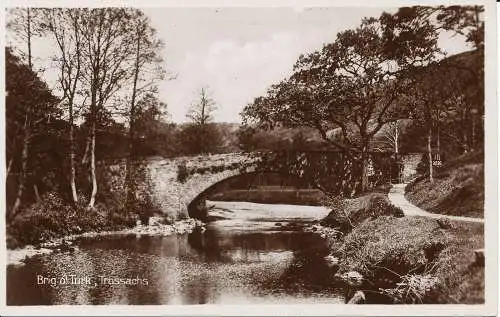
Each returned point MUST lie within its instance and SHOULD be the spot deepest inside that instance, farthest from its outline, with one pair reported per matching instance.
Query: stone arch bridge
(181, 195)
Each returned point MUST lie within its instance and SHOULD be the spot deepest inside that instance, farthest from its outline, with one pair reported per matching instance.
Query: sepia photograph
(206, 156)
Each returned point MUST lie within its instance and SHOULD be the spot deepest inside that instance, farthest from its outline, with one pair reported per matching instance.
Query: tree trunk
(24, 170)
(72, 158)
(473, 137)
(30, 63)
(85, 157)
(9, 166)
(438, 139)
(396, 139)
(37, 193)
(429, 153)
(364, 167)
(129, 181)
(92, 165)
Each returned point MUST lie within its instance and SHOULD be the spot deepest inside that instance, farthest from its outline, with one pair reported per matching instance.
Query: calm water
(252, 254)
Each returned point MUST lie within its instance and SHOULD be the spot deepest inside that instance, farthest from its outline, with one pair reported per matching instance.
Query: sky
(237, 53)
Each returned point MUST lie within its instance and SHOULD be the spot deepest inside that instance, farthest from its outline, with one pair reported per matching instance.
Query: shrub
(52, 217)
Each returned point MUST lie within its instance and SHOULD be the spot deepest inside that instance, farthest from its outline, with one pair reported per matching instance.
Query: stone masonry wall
(173, 196)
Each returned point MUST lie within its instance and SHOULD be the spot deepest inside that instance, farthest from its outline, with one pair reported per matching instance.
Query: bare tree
(108, 54)
(201, 135)
(64, 25)
(390, 137)
(201, 112)
(147, 71)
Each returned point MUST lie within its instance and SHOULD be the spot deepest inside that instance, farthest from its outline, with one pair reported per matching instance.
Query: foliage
(51, 218)
(200, 139)
(31, 115)
(279, 139)
(350, 88)
(464, 20)
(386, 248)
(201, 136)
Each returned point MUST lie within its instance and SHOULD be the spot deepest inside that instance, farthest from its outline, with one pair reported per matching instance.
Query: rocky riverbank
(154, 228)
(384, 257)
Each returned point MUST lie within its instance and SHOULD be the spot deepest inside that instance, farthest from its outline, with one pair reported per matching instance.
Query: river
(249, 253)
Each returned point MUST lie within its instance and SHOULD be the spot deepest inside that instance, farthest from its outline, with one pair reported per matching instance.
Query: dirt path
(397, 198)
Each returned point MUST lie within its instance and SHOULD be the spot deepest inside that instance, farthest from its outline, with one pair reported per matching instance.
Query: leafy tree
(447, 102)
(30, 106)
(351, 86)
(200, 139)
(23, 23)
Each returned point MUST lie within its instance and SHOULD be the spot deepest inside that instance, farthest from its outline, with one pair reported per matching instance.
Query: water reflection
(220, 265)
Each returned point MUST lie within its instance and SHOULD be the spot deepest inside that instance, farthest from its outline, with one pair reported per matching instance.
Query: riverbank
(404, 260)
(66, 244)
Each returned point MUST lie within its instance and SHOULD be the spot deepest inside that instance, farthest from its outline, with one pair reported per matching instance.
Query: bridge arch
(197, 207)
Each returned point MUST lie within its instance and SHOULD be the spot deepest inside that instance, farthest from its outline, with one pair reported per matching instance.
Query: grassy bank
(435, 265)
(457, 189)
(406, 259)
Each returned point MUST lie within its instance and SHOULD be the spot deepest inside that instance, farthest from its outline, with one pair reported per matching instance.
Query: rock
(358, 298)
(332, 261)
(444, 223)
(154, 221)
